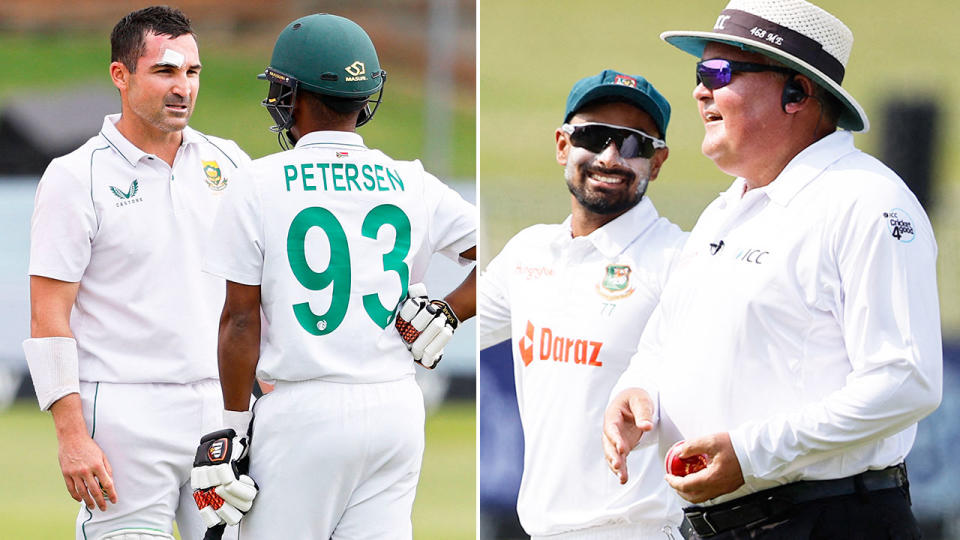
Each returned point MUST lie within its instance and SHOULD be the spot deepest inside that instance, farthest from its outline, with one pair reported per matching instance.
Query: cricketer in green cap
(611, 145)
(597, 275)
(613, 85)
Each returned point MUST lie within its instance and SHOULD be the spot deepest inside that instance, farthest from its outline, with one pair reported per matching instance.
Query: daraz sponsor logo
(557, 348)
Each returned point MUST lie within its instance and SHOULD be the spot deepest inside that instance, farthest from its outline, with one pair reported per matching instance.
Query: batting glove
(221, 488)
(425, 325)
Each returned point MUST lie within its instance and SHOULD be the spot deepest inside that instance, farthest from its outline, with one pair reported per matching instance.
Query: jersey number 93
(338, 272)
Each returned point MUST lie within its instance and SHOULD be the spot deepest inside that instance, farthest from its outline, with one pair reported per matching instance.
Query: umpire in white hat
(797, 343)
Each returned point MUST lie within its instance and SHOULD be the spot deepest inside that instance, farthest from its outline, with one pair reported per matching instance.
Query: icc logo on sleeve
(900, 225)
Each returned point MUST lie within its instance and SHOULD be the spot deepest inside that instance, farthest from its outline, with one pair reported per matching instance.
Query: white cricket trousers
(149, 433)
(335, 461)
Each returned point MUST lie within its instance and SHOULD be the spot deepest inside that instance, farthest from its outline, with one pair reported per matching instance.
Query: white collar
(614, 237)
(131, 152)
(331, 138)
(801, 170)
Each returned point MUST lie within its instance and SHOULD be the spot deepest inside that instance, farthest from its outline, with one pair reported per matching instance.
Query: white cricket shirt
(575, 308)
(802, 317)
(333, 232)
(132, 231)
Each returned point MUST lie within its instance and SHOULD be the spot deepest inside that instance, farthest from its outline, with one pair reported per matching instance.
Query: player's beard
(156, 114)
(599, 202)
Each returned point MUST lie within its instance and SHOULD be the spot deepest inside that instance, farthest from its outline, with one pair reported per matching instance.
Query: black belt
(711, 520)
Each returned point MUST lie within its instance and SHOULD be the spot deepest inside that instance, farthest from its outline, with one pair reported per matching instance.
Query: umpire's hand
(627, 418)
(722, 475)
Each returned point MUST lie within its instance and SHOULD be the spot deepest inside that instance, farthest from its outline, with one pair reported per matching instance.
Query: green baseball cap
(632, 89)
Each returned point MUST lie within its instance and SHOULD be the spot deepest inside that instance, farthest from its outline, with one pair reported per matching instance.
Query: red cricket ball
(683, 466)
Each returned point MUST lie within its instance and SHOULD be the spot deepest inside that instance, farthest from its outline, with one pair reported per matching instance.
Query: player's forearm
(238, 353)
(463, 299)
(68, 417)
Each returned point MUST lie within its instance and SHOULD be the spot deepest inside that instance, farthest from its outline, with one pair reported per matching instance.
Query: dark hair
(127, 43)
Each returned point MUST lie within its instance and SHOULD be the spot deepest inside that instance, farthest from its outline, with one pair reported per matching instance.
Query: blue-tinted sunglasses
(596, 137)
(717, 72)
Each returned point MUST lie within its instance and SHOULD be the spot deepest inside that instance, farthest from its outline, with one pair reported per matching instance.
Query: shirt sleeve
(453, 223)
(236, 254)
(889, 313)
(63, 225)
(493, 301)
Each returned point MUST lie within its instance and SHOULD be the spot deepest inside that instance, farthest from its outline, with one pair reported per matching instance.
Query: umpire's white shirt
(575, 308)
(803, 318)
(333, 232)
(132, 231)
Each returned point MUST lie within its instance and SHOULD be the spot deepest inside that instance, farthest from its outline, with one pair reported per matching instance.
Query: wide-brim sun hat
(795, 33)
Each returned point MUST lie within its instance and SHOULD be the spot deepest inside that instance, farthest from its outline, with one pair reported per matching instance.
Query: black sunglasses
(717, 72)
(596, 137)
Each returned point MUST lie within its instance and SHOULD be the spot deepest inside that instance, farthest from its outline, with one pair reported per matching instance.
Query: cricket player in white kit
(325, 238)
(123, 321)
(575, 297)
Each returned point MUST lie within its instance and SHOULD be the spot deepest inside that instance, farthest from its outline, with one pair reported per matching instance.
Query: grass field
(531, 53)
(228, 104)
(34, 504)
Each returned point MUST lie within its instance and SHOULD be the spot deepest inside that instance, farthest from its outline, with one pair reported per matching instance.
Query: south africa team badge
(616, 282)
(215, 180)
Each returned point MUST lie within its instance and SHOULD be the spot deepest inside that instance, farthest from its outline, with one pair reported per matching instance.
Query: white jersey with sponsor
(575, 308)
(132, 230)
(334, 232)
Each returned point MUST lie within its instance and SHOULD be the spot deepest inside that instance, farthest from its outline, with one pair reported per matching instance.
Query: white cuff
(238, 421)
(740, 448)
(53, 368)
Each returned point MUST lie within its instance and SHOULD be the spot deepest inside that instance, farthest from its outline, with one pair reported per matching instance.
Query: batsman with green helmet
(327, 239)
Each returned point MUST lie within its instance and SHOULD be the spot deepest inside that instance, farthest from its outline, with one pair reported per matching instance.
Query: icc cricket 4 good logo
(900, 225)
(616, 282)
(212, 175)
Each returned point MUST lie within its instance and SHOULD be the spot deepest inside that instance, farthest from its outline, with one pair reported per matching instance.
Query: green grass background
(35, 505)
(228, 104)
(530, 54)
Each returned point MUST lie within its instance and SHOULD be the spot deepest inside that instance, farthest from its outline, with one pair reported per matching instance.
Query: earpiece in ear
(792, 93)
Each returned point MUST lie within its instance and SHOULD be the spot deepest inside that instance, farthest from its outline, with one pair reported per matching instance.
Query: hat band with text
(738, 23)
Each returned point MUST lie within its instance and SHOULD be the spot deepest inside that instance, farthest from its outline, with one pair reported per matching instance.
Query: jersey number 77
(338, 272)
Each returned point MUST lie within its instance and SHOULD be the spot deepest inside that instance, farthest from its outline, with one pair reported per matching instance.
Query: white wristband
(53, 368)
(238, 421)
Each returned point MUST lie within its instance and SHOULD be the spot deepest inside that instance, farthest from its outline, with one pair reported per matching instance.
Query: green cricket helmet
(328, 55)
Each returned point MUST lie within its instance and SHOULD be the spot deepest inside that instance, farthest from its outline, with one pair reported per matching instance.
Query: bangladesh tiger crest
(616, 282)
(215, 180)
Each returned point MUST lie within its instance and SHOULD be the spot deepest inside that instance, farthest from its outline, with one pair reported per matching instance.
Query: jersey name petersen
(341, 177)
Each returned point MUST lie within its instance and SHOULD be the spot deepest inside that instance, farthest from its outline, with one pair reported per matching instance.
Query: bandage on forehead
(53, 367)
(172, 58)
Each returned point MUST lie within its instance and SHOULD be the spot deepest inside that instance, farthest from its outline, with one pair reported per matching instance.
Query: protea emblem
(215, 181)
